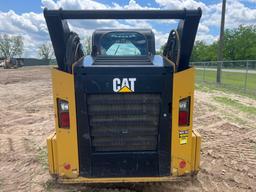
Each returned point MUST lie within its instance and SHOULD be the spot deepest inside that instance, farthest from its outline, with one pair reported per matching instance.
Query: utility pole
(221, 42)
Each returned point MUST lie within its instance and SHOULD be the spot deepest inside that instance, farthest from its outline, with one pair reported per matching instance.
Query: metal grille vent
(124, 122)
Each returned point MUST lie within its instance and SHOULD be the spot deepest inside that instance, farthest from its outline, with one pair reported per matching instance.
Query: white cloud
(49, 4)
(181, 4)
(30, 26)
(74, 4)
(236, 14)
(25, 22)
(251, 1)
(132, 4)
(33, 28)
(207, 38)
(203, 28)
(160, 38)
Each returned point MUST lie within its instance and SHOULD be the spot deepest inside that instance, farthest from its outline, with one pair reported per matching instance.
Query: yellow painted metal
(54, 150)
(193, 154)
(123, 179)
(197, 150)
(66, 139)
(50, 154)
(183, 87)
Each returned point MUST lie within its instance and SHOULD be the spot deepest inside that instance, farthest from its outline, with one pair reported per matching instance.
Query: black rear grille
(124, 122)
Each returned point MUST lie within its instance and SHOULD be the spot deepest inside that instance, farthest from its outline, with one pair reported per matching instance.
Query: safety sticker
(183, 136)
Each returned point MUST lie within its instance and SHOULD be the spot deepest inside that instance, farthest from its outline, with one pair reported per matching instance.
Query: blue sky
(24, 17)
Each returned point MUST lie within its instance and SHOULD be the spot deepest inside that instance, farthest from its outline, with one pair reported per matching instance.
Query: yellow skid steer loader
(123, 113)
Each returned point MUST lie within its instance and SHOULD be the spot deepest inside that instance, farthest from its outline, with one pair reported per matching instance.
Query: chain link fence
(235, 75)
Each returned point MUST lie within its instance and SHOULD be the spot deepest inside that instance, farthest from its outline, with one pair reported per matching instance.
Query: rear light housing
(63, 113)
(184, 112)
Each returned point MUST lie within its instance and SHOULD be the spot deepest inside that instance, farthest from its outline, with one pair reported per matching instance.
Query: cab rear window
(123, 44)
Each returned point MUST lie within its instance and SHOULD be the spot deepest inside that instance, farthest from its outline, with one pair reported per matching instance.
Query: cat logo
(124, 85)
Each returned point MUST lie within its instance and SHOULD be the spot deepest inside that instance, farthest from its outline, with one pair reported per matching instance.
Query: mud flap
(196, 146)
(52, 160)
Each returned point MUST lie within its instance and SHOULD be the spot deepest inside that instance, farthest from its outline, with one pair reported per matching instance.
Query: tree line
(239, 44)
(13, 47)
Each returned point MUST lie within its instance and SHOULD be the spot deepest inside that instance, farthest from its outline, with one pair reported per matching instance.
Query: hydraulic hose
(173, 48)
(74, 51)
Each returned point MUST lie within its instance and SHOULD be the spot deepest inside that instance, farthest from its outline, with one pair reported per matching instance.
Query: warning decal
(183, 136)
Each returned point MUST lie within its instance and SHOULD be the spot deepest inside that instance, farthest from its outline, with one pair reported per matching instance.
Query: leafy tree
(239, 44)
(11, 46)
(160, 51)
(87, 45)
(204, 52)
(45, 52)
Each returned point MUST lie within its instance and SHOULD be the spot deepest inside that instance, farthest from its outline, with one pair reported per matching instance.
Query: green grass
(231, 83)
(42, 157)
(210, 88)
(231, 79)
(236, 105)
(203, 87)
(48, 186)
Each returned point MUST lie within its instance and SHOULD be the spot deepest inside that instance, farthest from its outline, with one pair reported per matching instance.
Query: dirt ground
(228, 155)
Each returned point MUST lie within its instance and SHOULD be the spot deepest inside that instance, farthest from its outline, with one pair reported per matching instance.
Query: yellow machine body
(63, 146)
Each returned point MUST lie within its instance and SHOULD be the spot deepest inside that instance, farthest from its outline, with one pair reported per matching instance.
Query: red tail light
(184, 113)
(64, 119)
(63, 113)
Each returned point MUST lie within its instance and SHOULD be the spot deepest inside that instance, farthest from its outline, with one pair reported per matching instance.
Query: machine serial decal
(124, 85)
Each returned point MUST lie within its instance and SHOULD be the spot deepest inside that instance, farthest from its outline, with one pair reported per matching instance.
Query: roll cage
(188, 24)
